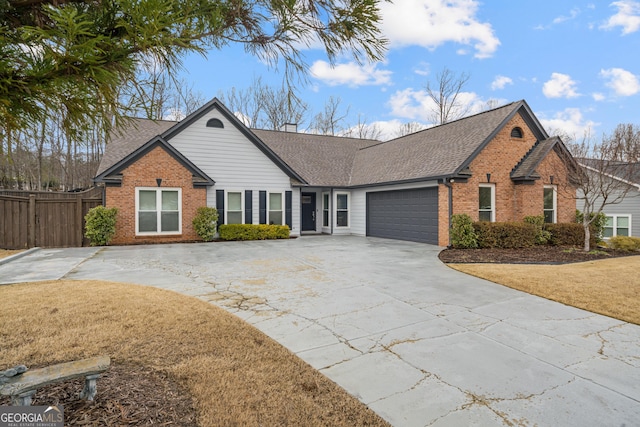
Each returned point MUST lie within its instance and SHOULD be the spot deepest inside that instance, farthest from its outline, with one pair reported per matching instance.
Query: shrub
(567, 234)
(463, 235)
(204, 223)
(542, 236)
(253, 231)
(100, 225)
(625, 243)
(505, 235)
(597, 225)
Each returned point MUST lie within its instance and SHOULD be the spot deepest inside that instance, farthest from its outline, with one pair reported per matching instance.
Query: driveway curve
(419, 343)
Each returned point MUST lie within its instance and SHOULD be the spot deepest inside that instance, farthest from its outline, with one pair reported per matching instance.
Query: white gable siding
(227, 156)
(359, 203)
(234, 163)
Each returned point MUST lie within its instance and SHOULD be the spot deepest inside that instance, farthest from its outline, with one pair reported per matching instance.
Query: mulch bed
(127, 396)
(533, 255)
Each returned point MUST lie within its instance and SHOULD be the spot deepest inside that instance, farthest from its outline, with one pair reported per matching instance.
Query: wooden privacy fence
(45, 219)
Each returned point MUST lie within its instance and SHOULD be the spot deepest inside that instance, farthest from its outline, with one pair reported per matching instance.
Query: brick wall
(513, 201)
(157, 163)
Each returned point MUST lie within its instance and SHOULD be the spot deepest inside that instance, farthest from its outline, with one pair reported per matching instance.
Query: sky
(577, 64)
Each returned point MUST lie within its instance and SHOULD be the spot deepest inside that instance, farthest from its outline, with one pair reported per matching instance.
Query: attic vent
(215, 123)
(516, 133)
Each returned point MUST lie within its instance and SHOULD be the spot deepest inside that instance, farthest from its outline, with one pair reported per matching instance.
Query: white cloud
(431, 23)
(572, 15)
(350, 74)
(500, 82)
(623, 82)
(560, 86)
(628, 17)
(570, 122)
(416, 105)
(597, 96)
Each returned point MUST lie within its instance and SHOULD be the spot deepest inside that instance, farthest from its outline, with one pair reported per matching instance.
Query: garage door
(404, 214)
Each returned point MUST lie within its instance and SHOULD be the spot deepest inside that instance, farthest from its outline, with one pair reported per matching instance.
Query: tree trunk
(587, 234)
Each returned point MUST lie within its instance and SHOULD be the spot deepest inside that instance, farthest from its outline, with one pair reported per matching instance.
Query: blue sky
(577, 64)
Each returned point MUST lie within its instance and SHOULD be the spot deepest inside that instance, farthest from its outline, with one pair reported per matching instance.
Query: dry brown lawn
(8, 252)
(610, 287)
(235, 374)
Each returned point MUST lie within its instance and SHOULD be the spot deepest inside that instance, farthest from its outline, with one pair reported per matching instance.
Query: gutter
(447, 183)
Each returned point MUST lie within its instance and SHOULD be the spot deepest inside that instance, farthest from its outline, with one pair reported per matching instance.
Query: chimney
(289, 127)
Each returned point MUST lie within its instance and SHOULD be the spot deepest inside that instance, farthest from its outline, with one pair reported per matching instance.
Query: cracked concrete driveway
(419, 343)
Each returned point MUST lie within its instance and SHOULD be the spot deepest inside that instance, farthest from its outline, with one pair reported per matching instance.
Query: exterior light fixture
(551, 178)
(488, 177)
(159, 181)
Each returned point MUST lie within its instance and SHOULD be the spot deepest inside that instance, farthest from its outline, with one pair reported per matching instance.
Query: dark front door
(308, 211)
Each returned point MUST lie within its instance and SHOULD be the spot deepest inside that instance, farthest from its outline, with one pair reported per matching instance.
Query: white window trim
(269, 193)
(615, 223)
(555, 202)
(158, 191)
(327, 208)
(335, 204)
(226, 205)
(493, 200)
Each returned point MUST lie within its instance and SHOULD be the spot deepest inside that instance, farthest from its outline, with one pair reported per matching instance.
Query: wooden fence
(45, 219)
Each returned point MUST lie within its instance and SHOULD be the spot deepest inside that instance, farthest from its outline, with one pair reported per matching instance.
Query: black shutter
(220, 206)
(263, 207)
(288, 216)
(248, 207)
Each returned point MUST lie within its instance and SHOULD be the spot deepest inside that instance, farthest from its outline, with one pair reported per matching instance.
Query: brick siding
(512, 201)
(157, 163)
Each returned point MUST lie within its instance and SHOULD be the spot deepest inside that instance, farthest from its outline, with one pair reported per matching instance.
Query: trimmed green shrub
(505, 235)
(253, 231)
(625, 243)
(204, 223)
(542, 235)
(463, 235)
(100, 225)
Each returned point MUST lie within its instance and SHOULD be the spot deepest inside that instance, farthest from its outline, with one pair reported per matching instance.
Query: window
(234, 208)
(342, 210)
(325, 209)
(215, 123)
(516, 133)
(617, 225)
(275, 208)
(549, 203)
(158, 211)
(486, 205)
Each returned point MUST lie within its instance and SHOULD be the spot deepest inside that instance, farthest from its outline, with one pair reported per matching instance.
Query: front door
(308, 211)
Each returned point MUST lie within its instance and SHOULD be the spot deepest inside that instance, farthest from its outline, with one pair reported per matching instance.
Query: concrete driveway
(419, 343)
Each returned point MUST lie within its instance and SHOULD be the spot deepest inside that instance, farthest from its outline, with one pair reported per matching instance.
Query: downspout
(447, 183)
(331, 211)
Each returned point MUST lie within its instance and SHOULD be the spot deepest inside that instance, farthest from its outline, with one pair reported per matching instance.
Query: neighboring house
(499, 165)
(623, 216)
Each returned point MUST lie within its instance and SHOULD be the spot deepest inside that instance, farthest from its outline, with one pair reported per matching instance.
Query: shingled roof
(319, 160)
(437, 152)
(129, 138)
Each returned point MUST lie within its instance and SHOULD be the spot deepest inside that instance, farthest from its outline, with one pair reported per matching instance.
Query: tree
(606, 172)
(328, 121)
(409, 128)
(362, 130)
(72, 56)
(265, 107)
(445, 94)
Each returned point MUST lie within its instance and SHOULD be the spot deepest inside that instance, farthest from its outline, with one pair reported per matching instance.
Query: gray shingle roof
(441, 151)
(526, 169)
(321, 160)
(435, 152)
(129, 138)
